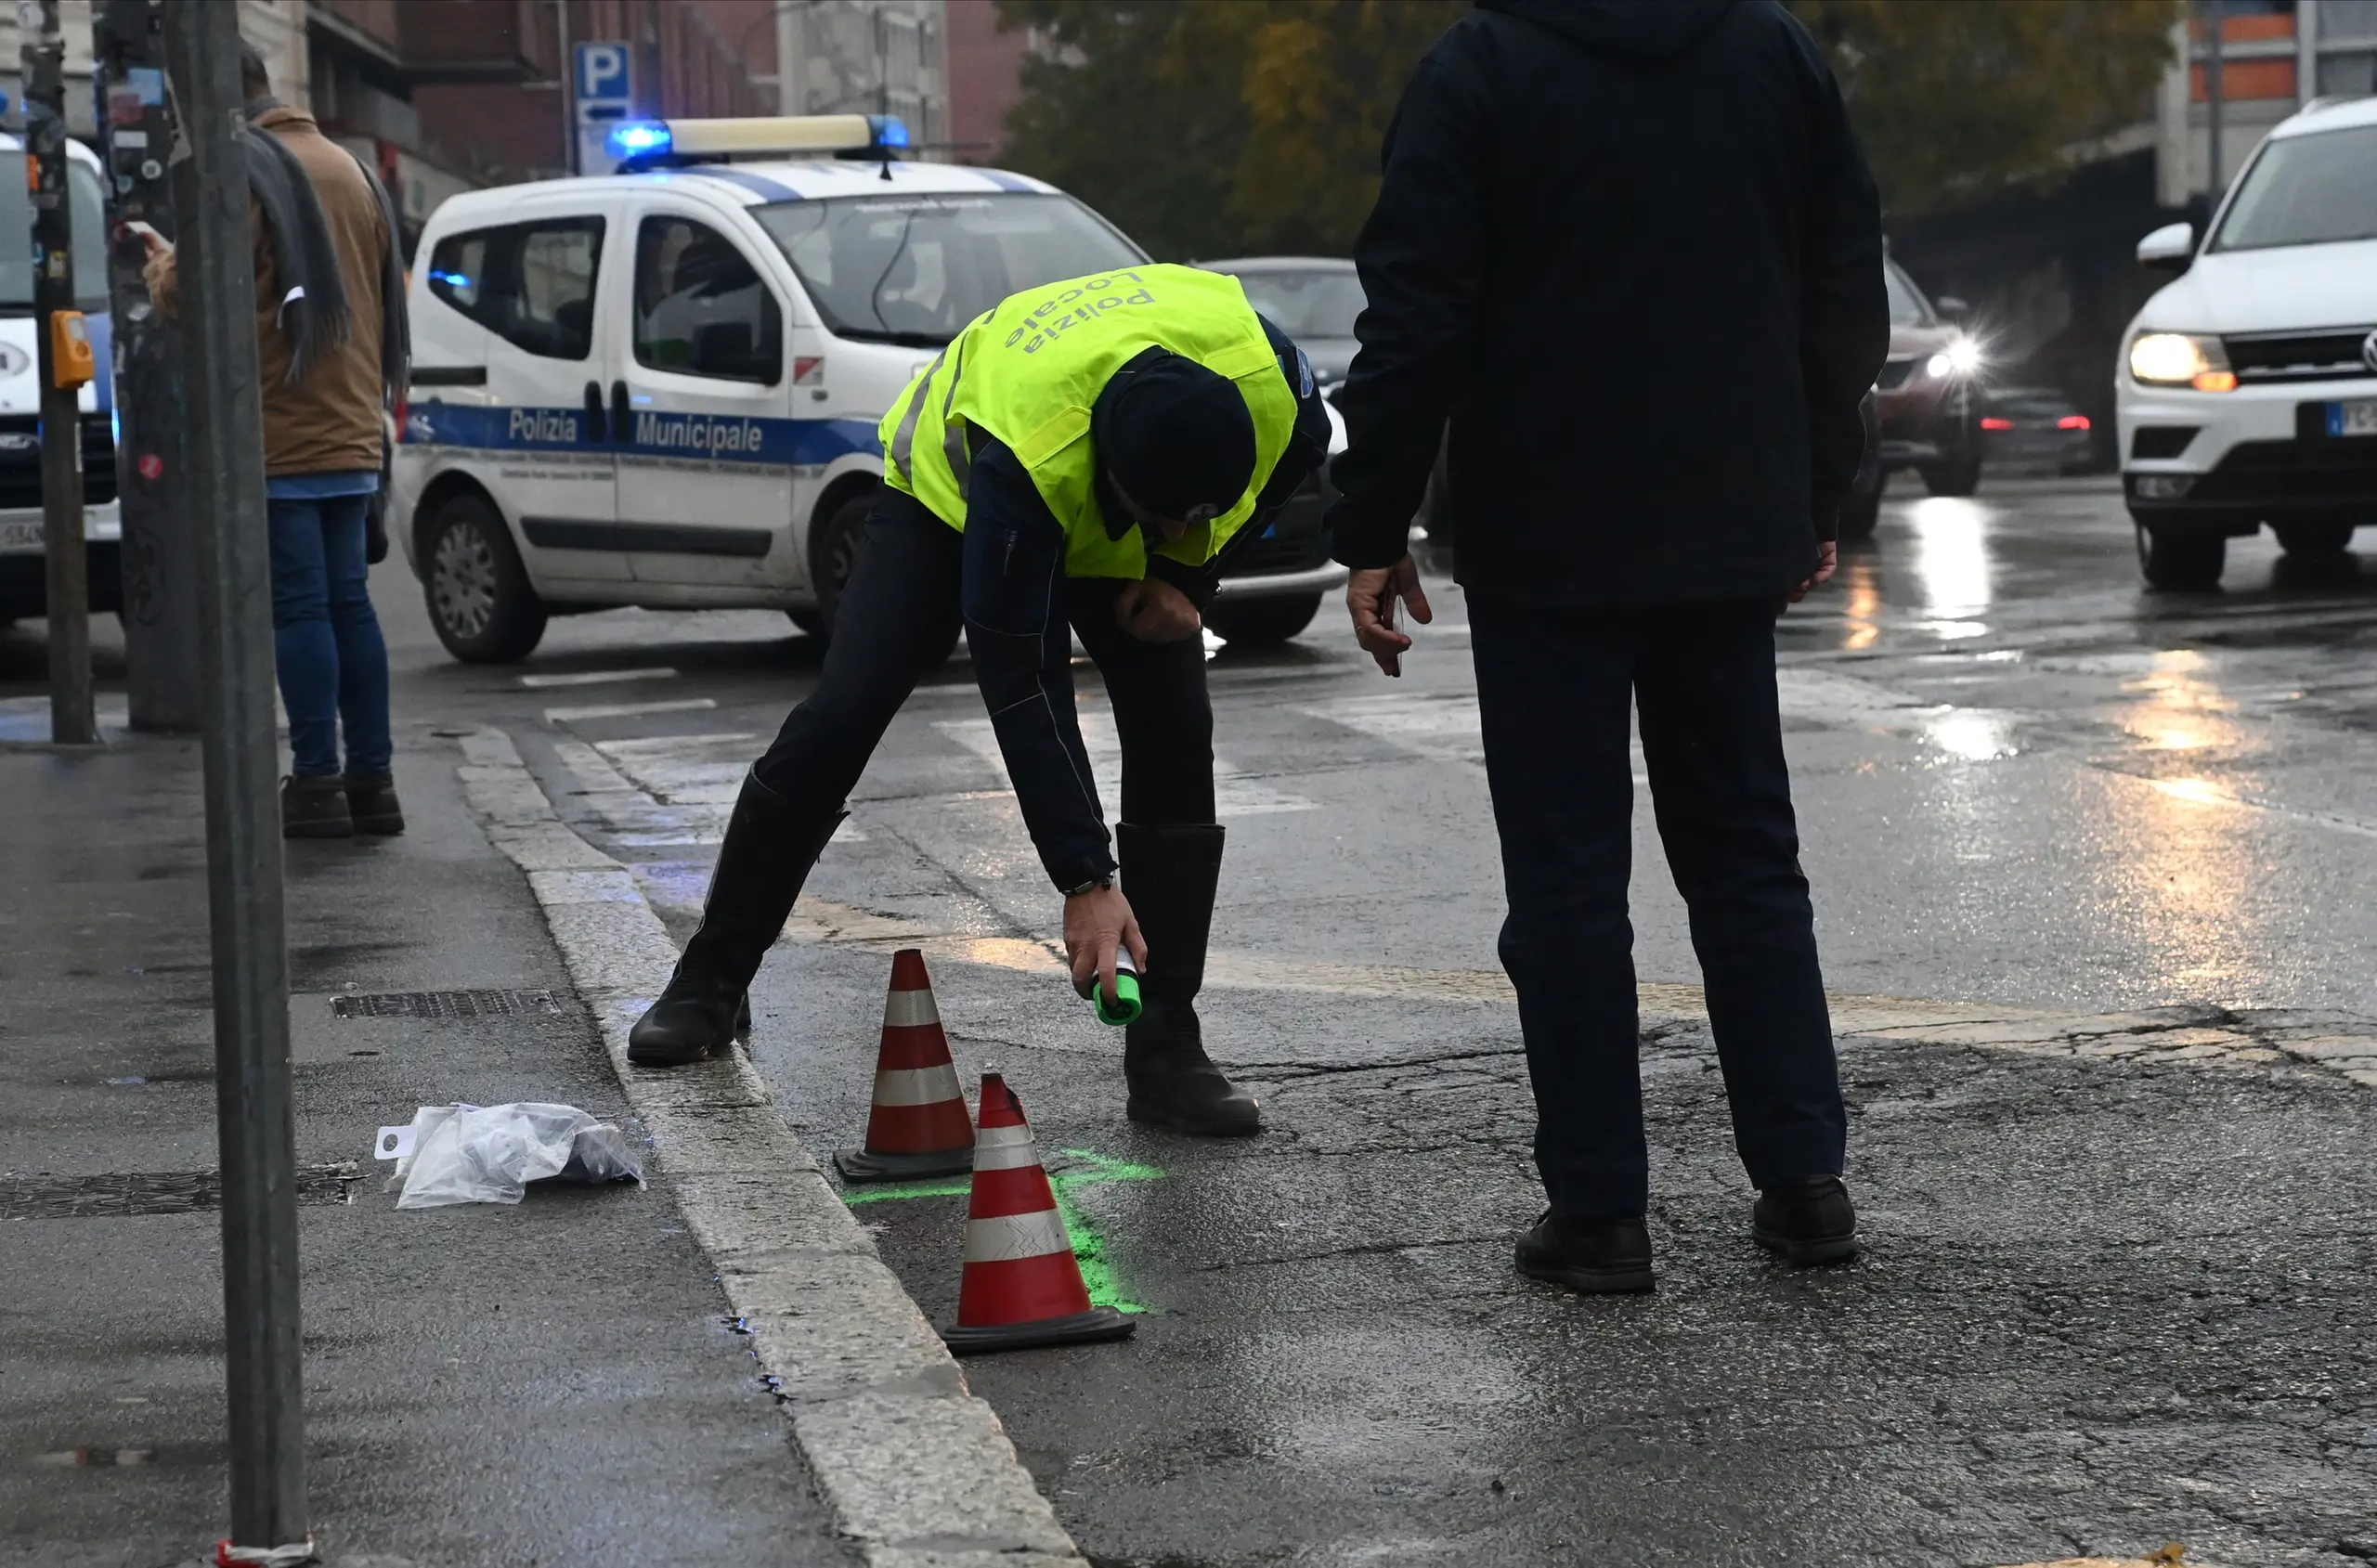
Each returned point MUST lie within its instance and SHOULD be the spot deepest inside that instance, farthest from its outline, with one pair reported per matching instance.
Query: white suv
(2247, 391)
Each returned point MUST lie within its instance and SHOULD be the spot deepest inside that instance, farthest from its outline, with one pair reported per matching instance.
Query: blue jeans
(327, 648)
(1552, 689)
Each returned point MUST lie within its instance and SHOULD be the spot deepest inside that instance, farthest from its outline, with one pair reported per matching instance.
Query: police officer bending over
(1074, 463)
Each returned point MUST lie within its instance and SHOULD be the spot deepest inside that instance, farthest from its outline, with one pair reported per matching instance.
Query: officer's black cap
(1176, 436)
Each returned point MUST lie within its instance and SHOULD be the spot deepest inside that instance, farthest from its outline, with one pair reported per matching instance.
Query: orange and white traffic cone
(918, 1126)
(1022, 1288)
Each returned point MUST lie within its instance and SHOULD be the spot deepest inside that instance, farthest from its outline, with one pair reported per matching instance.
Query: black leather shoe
(1170, 875)
(1809, 1220)
(1599, 1257)
(693, 1017)
(770, 847)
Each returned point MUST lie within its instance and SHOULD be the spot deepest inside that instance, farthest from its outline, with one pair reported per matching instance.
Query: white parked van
(661, 387)
(2248, 388)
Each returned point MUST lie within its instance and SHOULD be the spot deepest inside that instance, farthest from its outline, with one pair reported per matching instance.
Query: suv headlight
(2180, 359)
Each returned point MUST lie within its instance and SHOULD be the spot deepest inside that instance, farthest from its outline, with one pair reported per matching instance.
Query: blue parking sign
(605, 73)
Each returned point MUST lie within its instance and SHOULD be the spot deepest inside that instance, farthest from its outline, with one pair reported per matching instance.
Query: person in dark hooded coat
(1631, 250)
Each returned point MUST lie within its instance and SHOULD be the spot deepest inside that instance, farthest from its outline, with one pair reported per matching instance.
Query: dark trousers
(1553, 685)
(327, 648)
(898, 617)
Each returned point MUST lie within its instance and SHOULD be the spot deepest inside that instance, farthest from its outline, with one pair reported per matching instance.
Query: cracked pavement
(2094, 876)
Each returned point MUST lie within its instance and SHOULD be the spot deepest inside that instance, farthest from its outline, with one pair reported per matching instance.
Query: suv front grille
(21, 461)
(2298, 357)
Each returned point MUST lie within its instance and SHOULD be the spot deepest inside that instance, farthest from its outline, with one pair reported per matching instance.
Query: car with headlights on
(2247, 392)
(1928, 396)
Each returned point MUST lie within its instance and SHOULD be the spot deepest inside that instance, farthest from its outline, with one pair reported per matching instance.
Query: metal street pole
(159, 566)
(256, 1124)
(72, 717)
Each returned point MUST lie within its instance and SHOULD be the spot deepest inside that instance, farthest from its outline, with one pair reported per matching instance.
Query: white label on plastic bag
(394, 1143)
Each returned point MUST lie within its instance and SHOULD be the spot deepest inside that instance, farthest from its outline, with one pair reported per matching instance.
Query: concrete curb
(912, 1466)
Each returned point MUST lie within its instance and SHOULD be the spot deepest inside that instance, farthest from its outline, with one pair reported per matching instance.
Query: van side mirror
(1951, 308)
(2169, 248)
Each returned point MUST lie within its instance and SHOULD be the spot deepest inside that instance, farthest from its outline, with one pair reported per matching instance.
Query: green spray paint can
(1125, 1007)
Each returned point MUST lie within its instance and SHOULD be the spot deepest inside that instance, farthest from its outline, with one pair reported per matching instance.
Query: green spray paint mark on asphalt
(1089, 1247)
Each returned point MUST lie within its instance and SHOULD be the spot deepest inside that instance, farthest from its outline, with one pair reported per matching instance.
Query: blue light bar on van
(639, 138)
(888, 130)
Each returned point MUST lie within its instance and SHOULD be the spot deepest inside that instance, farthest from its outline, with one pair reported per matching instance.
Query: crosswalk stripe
(1236, 793)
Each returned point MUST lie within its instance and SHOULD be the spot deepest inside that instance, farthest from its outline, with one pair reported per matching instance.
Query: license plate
(18, 536)
(2357, 418)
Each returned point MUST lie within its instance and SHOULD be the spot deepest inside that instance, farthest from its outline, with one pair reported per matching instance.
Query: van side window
(531, 283)
(701, 310)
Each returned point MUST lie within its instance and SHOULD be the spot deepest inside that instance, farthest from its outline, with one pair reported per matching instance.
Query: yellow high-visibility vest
(1028, 371)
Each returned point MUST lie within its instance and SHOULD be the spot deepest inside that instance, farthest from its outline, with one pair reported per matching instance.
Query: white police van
(661, 387)
(24, 568)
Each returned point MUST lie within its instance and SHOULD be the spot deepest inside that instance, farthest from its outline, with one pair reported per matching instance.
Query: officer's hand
(1827, 562)
(1096, 923)
(1154, 611)
(1371, 596)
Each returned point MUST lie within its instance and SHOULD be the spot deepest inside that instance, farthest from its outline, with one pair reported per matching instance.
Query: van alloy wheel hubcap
(464, 580)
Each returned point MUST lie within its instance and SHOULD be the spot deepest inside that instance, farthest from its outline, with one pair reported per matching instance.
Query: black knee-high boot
(770, 847)
(1170, 875)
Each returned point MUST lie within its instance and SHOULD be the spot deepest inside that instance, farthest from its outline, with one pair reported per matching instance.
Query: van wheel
(2187, 560)
(833, 555)
(477, 591)
(2315, 539)
(1262, 623)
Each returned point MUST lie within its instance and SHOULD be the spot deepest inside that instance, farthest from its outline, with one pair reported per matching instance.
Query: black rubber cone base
(864, 1165)
(1089, 1328)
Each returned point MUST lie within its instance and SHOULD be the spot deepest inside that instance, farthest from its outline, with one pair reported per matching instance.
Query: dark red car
(1928, 398)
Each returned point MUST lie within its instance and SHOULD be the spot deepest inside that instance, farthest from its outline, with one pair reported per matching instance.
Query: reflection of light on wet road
(1971, 735)
(1952, 566)
(2200, 792)
(1862, 600)
(2193, 872)
(2183, 709)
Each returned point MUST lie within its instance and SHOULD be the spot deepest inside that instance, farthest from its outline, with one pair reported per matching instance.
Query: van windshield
(17, 246)
(2306, 190)
(916, 268)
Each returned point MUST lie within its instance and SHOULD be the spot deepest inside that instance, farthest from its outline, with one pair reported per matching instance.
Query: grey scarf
(314, 307)
(314, 311)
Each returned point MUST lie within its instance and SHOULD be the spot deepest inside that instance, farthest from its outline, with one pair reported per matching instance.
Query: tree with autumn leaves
(1236, 127)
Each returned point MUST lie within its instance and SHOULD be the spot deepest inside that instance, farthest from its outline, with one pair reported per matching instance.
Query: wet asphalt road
(2108, 1305)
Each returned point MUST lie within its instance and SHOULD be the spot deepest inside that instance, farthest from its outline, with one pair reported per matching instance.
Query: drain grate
(120, 1193)
(447, 1005)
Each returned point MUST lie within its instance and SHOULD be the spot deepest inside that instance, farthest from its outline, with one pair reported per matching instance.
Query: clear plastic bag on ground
(490, 1154)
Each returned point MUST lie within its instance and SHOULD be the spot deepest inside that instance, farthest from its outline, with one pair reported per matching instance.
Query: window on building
(2350, 75)
(531, 283)
(2347, 19)
(701, 308)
